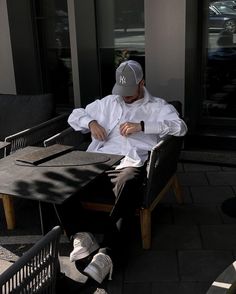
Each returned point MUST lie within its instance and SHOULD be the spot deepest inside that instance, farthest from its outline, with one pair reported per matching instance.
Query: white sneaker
(100, 266)
(84, 244)
(100, 291)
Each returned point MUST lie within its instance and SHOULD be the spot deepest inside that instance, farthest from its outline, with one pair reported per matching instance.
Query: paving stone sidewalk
(192, 243)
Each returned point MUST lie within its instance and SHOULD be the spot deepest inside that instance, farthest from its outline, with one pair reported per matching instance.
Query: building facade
(72, 47)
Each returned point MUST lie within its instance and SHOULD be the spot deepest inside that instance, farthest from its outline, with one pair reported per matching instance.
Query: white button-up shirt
(160, 119)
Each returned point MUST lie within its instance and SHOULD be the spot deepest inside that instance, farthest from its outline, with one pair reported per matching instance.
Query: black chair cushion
(19, 112)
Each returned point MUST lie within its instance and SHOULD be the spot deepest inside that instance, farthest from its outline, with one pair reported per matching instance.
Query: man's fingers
(99, 134)
(128, 128)
(122, 129)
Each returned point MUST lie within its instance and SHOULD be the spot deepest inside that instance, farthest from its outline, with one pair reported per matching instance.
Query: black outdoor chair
(36, 270)
(36, 135)
(161, 176)
(33, 136)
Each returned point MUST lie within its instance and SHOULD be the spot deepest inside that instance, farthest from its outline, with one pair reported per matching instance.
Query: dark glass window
(220, 62)
(121, 36)
(52, 31)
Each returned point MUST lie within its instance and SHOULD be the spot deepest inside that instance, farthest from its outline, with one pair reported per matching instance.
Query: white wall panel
(165, 48)
(7, 77)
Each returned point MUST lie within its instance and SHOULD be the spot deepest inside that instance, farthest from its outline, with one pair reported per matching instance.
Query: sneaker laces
(79, 239)
(84, 244)
(100, 291)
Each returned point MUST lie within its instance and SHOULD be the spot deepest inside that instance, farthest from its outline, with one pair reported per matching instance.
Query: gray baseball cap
(128, 76)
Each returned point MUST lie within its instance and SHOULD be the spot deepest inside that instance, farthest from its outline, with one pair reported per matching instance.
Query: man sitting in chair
(129, 122)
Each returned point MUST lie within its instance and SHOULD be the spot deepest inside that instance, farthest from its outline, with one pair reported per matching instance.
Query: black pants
(123, 187)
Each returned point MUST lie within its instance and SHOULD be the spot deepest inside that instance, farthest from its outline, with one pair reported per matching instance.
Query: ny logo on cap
(122, 80)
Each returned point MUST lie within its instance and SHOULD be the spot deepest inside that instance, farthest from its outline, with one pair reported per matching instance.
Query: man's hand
(97, 131)
(129, 128)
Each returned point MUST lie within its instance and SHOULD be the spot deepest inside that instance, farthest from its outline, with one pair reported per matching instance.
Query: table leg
(9, 211)
(49, 217)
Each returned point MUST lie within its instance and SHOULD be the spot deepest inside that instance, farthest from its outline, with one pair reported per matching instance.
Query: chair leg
(145, 222)
(177, 190)
(9, 211)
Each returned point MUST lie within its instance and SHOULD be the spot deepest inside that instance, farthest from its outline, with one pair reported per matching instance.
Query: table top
(55, 180)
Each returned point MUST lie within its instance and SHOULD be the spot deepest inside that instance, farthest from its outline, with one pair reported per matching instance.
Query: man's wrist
(91, 122)
(142, 125)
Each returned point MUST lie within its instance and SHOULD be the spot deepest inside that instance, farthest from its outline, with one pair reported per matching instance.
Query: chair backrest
(36, 270)
(162, 165)
(178, 106)
(19, 112)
